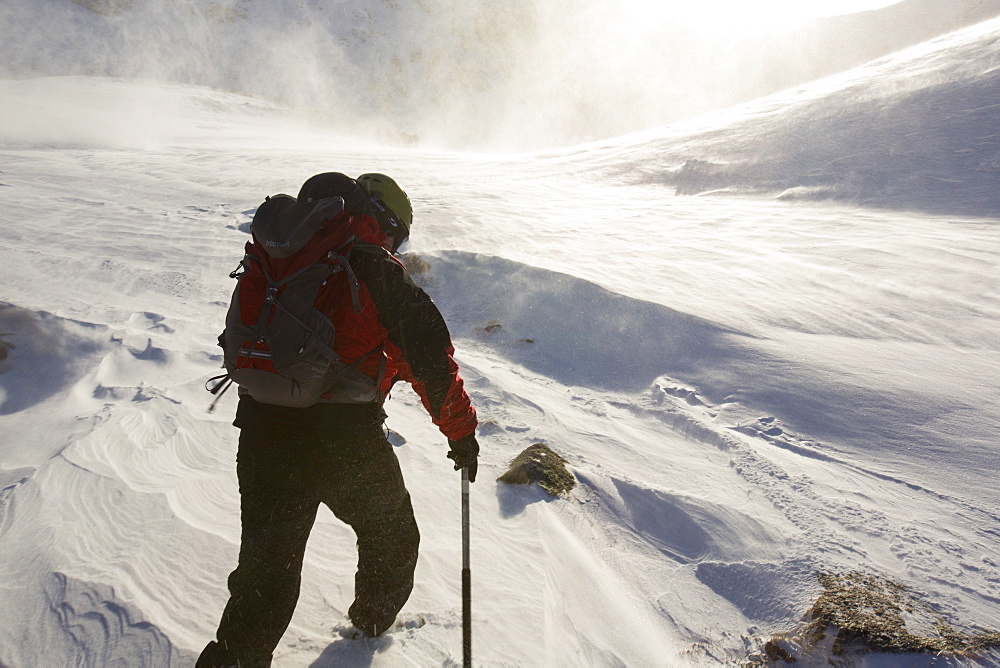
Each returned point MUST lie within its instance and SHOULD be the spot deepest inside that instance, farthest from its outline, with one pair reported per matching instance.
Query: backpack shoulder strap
(344, 263)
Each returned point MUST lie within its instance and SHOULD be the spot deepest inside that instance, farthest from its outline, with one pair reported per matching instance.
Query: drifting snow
(748, 392)
(915, 130)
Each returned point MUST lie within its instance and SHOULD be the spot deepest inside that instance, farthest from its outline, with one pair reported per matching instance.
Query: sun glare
(747, 14)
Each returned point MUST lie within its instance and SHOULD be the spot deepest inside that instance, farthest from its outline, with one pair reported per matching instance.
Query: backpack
(278, 347)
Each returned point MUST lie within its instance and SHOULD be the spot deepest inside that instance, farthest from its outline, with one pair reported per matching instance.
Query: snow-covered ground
(750, 390)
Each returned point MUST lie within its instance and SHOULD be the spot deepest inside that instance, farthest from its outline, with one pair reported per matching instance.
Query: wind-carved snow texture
(11, 480)
(56, 556)
(808, 529)
(575, 346)
(103, 631)
(49, 354)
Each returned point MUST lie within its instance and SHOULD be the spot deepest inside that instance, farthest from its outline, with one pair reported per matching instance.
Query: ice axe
(466, 576)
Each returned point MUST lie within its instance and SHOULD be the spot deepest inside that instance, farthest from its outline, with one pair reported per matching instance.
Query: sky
(834, 7)
(760, 13)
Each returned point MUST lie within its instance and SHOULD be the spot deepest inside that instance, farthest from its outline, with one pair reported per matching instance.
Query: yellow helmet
(392, 207)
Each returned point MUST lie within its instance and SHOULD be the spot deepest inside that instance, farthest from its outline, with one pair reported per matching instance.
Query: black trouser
(285, 471)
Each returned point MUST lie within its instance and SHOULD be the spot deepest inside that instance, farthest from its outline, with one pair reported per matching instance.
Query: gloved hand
(465, 453)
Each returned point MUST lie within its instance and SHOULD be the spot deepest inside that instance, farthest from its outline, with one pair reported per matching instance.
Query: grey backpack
(278, 345)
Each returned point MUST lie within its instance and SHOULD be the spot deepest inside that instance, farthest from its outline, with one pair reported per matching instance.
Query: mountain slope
(916, 130)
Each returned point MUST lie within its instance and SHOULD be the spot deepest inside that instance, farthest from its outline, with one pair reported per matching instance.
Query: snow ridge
(910, 131)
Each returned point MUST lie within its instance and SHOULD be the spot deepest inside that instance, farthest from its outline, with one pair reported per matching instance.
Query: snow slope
(915, 130)
(749, 391)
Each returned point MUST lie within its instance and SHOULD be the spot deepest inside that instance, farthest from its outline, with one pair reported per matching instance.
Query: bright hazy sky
(754, 13)
(831, 7)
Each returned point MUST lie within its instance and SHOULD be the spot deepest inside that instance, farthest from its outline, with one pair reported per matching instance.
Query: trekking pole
(466, 576)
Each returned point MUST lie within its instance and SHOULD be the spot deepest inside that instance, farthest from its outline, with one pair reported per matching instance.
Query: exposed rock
(5, 346)
(859, 613)
(105, 7)
(775, 652)
(539, 464)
